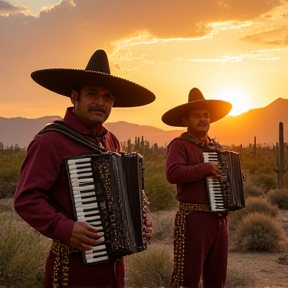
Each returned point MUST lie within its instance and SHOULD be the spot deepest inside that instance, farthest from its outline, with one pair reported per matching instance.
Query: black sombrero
(217, 109)
(97, 72)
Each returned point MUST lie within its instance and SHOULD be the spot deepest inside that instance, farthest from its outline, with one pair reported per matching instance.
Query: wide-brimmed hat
(217, 109)
(97, 73)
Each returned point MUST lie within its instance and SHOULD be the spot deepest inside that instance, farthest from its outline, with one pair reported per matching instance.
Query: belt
(193, 207)
(188, 207)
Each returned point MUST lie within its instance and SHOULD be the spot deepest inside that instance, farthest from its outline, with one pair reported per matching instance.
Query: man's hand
(148, 227)
(216, 172)
(84, 236)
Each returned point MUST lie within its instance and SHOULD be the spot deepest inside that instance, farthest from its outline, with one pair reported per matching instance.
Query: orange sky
(234, 50)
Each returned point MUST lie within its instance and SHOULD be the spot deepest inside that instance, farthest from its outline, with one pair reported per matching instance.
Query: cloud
(9, 9)
(63, 35)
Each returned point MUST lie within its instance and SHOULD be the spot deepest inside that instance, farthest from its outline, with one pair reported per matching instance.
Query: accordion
(108, 192)
(227, 193)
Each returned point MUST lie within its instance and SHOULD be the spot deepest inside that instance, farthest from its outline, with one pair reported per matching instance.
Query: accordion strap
(59, 126)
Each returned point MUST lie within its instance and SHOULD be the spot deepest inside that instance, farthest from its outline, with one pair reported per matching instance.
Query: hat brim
(63, 81)
(217, 109)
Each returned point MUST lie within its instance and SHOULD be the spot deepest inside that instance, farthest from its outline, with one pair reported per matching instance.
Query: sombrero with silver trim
(217, 109)
(97, 73)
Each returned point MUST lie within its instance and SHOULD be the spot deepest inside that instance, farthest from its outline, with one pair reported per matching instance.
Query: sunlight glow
(237, 98)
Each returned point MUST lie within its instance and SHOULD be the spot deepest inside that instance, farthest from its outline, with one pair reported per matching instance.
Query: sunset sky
(234, 50)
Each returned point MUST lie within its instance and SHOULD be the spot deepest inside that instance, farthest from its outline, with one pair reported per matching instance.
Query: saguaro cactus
(280, 161)
(254, 146)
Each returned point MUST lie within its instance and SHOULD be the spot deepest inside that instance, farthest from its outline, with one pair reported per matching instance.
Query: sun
(237, 98)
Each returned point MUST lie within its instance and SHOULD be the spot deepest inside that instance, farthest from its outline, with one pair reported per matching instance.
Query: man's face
(197, 122)
(92, 104)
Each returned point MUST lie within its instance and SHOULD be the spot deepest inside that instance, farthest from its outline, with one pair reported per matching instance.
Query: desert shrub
(22, 253)
(265, 181)
(7, 189)
(253, 204)
(150, 268)
(261, 205)
(234, 218)
(258, 232)
(279, 197)
(250, 190)
(239, 278)
(160, 193)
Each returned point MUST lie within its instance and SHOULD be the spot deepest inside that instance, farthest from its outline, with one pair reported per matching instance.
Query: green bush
(258, 232)
(150, 268)
(23, 256)
(279, 197)
(161, 193)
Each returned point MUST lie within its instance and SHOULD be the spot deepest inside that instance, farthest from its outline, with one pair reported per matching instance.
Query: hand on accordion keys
(84, 236)
(216, 171)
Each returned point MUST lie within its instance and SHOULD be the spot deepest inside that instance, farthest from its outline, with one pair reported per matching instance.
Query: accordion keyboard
(217, 201)
(86, 206)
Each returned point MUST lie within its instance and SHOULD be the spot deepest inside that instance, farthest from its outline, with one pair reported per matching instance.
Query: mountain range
(262, 123)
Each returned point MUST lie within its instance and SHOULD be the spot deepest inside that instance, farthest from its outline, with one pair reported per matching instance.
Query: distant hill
(262, 123)
(22, 130)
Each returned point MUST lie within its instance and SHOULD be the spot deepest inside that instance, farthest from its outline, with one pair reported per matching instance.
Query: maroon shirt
(185, 167)
(42, 197)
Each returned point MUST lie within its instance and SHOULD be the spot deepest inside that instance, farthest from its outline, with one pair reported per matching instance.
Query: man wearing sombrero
(42, 197)
(200, 236)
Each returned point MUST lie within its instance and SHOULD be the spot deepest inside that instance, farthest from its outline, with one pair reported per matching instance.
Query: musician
(43, 197)
(200, 236)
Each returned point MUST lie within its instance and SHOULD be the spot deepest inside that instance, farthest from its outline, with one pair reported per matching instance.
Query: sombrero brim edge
(217, 108)
(63, 81)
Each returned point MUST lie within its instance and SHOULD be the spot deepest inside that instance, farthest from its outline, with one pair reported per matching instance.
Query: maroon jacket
(185, 167)
(42, 197)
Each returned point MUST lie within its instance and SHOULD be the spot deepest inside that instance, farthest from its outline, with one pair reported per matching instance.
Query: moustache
(98, 109)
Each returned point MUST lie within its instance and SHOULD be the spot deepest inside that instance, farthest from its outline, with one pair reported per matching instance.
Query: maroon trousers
(105, 275)
(206, 250)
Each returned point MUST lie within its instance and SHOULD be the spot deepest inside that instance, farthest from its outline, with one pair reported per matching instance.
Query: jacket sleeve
(181, 166)
(39, 173)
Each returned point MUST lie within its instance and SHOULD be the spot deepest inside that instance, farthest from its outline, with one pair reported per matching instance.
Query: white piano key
(80, 160)
(78, 166)
(86, 214)
(78, 201)
(83, 194)
(76, 181)
(84, 188)
(97, 248)
(78, 175)
(93, 260)
(87, 206)
(80, 170)
(87, 219)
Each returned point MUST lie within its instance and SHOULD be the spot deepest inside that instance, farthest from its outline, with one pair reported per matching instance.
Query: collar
(190, 138)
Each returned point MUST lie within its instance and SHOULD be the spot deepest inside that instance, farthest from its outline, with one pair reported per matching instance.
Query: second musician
(200, 236)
